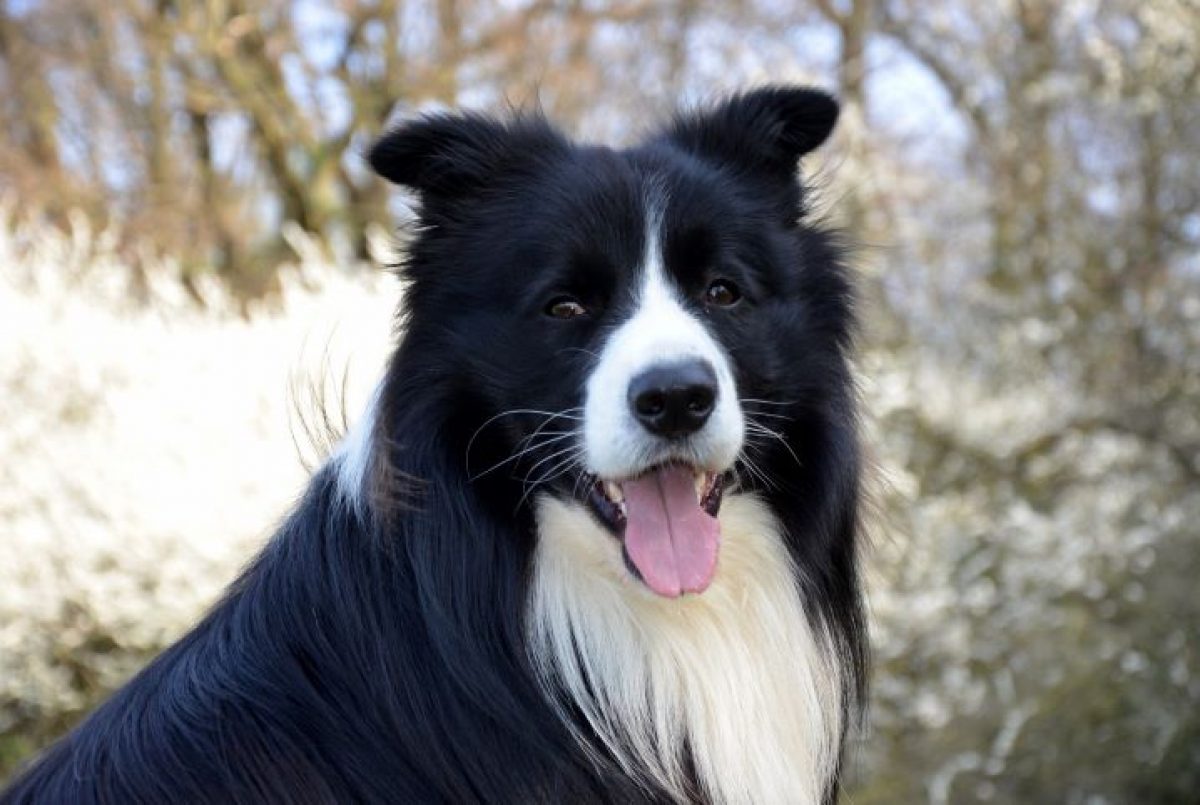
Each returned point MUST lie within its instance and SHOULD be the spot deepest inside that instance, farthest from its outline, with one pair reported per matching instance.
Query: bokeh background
(189, 260)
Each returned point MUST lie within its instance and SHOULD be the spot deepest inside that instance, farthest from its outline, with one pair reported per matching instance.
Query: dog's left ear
(765, 129)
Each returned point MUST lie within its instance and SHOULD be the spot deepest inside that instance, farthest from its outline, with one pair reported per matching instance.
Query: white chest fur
(739, 672)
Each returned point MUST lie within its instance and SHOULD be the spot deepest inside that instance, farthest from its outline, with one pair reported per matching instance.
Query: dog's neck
(739, 676)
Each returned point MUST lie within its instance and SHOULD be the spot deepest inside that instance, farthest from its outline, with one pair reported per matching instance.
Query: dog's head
(635, 329)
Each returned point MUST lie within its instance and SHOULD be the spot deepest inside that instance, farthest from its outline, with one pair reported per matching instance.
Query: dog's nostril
(651, 403)
(674, 400)
(700, 400)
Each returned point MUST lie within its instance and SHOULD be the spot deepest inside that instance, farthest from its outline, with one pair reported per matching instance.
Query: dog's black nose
(674, 400)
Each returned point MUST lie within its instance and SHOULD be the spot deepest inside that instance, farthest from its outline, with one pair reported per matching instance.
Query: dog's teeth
(614, 492)
(701, 482)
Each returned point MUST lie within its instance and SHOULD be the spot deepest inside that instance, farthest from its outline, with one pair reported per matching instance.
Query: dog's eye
(722, 293)
(564, 307)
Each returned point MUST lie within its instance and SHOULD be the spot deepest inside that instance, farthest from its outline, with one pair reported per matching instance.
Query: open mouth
(666, 519)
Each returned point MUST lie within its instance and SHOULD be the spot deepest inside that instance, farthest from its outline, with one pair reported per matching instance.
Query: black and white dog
(595, 537)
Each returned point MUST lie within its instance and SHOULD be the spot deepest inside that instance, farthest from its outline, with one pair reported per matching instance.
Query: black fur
(374, 652)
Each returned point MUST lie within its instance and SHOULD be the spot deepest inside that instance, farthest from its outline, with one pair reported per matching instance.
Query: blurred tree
(1039, 633)
(204, 124)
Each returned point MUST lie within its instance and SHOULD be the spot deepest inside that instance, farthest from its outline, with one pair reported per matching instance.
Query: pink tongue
(670, 539)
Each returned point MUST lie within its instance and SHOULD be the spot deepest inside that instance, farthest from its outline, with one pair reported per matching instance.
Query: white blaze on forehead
(659, 331)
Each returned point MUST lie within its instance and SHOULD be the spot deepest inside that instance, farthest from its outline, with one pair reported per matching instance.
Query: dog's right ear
(766, 129)
(446, 156)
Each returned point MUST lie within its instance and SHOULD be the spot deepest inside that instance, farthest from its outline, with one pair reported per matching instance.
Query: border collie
(594, 539)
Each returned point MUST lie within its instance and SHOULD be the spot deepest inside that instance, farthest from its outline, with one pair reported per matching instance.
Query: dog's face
(638, 329)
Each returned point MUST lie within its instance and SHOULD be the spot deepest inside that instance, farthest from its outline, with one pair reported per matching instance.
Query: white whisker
(770, 414)
(526, 451)
(759, 428)
(567, 413)
(573, 459)
(757, 401)
(551, 457)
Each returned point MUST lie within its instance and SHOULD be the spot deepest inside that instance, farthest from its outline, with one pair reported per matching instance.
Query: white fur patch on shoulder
(353, 454)
(738, 672)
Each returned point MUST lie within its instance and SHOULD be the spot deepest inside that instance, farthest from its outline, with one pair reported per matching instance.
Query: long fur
(441, 619)
(651, 676)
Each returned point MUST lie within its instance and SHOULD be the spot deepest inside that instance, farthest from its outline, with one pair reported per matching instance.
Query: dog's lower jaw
(738, 674)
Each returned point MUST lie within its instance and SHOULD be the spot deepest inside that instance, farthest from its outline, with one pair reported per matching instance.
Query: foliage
(201, 125)
(148, 449)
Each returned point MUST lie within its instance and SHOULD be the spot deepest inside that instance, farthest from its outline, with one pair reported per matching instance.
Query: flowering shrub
(150, 444)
